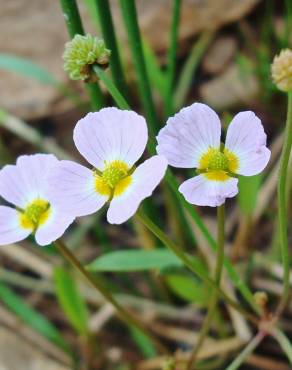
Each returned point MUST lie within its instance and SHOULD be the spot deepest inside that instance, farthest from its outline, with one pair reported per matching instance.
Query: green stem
(121, 312)
(214, 295)
(72, 17)
(129, 13)
(233, 274)
(178, 251)
(171, 58)
(74, 26)
(248, 350)
(95, 95)
(282, 206)
(108, 32)
(114, 92)
(173, 184)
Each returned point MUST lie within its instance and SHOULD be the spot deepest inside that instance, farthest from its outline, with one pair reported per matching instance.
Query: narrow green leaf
(156, 75)
(248, 191)
(188, 288)
(31, 317)
(144, 344)
(26, 68)
(71, 300)
(135, 260)
(30, 69)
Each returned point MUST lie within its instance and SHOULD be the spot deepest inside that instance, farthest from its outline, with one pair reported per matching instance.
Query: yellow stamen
(217, 165)
(114, 180)
(232, 160)
(35, 214)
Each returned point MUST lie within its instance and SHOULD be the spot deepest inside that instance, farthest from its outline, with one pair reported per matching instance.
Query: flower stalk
(124, 315)
(282, 204)
(114, 92)
(217, 278)
(178, 251)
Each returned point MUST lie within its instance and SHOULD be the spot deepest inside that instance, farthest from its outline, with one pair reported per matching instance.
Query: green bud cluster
(81, 53)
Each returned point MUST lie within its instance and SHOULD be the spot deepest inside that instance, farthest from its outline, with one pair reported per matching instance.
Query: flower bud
(81, 53)
(261, 299)
(282, 70)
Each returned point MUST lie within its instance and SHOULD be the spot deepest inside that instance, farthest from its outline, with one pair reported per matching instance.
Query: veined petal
(72, 188)
(201, 191)
(144, 180)
(111, 134)
(188, 135)
(247, 140)
(27, 180)
(54, 227)
(10, 228)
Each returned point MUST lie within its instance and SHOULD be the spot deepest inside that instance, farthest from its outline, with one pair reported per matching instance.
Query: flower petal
(10, 229)
(204, 192)
(27, 180)
(111, 134)
(188, 135)
(144, 180)
(72, 188)
(54, 227)
(247, 140)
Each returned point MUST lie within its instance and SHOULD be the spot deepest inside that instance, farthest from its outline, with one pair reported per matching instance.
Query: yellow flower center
(114, 179)
(217, 165)
(35, 214)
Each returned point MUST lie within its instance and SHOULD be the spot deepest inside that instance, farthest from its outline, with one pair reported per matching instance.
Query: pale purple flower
(25, 186)
(111, 140)
(191, 139)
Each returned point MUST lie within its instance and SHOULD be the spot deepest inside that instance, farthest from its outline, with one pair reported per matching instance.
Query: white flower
(25, 185)
(191, 139)
(111, 140)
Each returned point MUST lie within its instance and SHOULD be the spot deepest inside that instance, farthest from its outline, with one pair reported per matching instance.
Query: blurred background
(224, 55)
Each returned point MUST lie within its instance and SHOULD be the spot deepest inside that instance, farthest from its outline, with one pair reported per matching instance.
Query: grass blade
(31, 317)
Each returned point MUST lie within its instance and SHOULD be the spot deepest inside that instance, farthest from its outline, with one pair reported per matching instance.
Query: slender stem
(121, 312)
(284, 343)
(72, 17)
(108, 32)
(74, 26)
(233, 274)
(214, 295)
(248, 350)
(282, 205)
(95, 95)
(171, 57)
(173, 184)
(115, 93)
(129, 13)
(178, 251)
